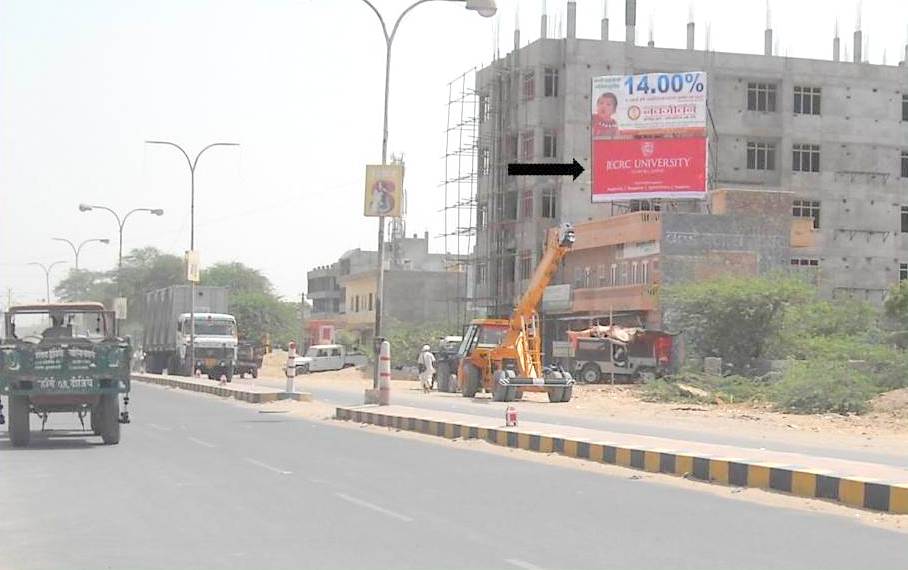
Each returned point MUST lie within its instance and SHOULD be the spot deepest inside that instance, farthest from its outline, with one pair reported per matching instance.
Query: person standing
(425, 364)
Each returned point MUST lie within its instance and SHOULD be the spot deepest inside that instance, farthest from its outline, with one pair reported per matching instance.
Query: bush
(407, 340)
(818, 386)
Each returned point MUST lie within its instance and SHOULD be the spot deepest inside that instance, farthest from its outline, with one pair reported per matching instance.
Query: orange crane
(503, 356)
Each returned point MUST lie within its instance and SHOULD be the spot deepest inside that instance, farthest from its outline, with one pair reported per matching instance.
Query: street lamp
(77, 250)
(485, 8)
(47, 269)
(192, 166)
(120, 223)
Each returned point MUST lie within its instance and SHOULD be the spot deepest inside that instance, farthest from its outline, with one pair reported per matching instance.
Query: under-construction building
(830, 135)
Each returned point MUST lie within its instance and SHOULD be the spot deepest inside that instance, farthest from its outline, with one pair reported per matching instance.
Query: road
(201, 482)
(544, 412)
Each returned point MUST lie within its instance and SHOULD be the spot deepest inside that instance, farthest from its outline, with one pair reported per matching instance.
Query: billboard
(384, 190)
(648, 136)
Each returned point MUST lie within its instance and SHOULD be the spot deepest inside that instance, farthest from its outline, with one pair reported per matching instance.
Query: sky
(299, 84)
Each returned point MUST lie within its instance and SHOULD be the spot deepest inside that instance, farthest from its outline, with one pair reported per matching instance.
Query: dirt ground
(885, 429)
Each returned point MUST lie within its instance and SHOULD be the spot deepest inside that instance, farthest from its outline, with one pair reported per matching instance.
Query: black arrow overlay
(518, 169)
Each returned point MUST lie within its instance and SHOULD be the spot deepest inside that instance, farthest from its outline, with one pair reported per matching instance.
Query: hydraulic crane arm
(558, 243)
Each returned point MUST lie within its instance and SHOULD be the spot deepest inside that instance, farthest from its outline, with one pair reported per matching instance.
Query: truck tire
(255, 373)
(444, 377)
(471, 381)
(500, 393)
(590, 373)
(110, 419)
(96, 419)
(229, 373)
(555, 394)
(567, 393)
(19, 430)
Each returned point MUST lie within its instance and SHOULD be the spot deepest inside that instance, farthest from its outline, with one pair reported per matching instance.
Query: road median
(856, 484)
(240, 391)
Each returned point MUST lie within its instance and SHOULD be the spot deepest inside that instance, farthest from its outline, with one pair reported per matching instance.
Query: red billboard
(648, 168)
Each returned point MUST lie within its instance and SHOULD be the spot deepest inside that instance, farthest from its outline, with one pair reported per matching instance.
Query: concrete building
(833, 134)
(418, 288)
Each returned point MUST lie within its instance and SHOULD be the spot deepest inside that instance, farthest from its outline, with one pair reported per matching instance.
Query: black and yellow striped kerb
(256, 397)
(849, 490)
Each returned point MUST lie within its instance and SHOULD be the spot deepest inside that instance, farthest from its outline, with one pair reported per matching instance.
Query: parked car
(320, 357)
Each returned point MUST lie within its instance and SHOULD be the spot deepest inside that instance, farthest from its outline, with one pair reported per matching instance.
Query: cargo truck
(167, 332)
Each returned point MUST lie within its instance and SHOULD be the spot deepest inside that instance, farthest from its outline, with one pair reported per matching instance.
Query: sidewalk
(857, 484)
(239, 389)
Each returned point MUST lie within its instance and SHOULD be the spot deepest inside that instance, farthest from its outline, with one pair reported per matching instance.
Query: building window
(357, 304)
(905, 164)
(480, 217)
(529, 85)
(805, 158)
(804, 262)
(525, 268)
(527, 140)
(634, 273)
(807, 209)
(482, 273)
(526, 210)
(484, 111)
(903, 271)
(905, 107)
(370, 301)
(601, 276)
(904, 219)
(551, 82)
(761, 97)
(578, 278)
(483, 161)
(807, 100)
(644, 272)
(510, 146)
(645, 205)
(761, 156)
(549, 145)
(548, 203)
(613, 275)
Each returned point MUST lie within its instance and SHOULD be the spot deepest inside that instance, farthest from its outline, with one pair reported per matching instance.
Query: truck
(623, 353)
(64, 357)
(167, 326)
(504, 356)
(320, 357)
(249, 357)
(446, 363)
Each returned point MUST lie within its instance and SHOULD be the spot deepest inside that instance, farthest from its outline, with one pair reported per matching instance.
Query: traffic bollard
(291, 366)
(384, 374)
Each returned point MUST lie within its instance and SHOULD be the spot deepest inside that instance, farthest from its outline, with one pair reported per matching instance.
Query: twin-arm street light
(78, 249)
(485, 8)
(121, 221)
(47, 269)
(192, 163)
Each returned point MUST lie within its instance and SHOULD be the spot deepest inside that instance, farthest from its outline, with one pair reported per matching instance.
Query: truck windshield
(491, 335)
(211, 327)
(63, 324)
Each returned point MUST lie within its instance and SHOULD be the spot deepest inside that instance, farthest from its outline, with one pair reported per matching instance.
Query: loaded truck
(64, 357)
(167, 330)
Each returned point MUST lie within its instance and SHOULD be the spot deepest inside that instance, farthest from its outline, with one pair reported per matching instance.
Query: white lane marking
(375, 508)
(200, 442)
(160, 428)
(268, 467)
(522, 564)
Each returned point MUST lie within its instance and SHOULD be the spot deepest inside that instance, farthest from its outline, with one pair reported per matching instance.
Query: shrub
(818, 386)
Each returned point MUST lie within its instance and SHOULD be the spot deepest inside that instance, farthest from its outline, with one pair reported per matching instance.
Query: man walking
(425, 364)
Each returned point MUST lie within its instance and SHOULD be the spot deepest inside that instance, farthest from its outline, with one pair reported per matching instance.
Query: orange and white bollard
(384, 374)
(510, 417)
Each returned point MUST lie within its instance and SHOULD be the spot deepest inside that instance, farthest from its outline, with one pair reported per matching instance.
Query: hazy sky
(299, 84)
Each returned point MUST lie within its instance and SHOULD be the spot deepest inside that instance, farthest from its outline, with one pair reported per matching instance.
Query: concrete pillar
(630, 21)
(858, 44)
(835, 49)
(690, 35)
(544, 27)
(384, 374)
(605, 29)
(571, 20)
(767, 42)
(516, 39)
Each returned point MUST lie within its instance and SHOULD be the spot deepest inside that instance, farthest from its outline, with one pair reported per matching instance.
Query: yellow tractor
(503, 356)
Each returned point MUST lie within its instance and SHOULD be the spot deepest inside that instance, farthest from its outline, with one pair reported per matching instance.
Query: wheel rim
(590, 375)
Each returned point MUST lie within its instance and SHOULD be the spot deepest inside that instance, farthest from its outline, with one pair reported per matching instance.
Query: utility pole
(302, 336)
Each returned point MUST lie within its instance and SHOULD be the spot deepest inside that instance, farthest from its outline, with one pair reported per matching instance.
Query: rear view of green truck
(64, 358)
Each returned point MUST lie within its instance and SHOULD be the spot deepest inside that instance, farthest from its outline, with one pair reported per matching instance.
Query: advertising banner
(649, 168)
(649, 136)
(384, 190)
(193, 266)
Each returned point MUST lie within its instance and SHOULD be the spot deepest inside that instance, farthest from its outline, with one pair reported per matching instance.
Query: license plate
(211, 362)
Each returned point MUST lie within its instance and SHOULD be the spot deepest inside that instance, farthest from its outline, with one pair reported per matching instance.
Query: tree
(733, 317)
(238, 277)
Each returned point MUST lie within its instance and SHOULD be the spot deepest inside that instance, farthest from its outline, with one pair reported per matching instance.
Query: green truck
(64, 357)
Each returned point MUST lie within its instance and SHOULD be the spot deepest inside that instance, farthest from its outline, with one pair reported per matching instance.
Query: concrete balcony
(628, 228)
(638, 297)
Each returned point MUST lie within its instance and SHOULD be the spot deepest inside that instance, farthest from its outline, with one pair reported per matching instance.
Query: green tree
(238, 277)
(733, 317)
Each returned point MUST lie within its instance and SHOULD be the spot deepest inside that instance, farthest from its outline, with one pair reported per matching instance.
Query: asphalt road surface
(200, 482)
(547, 413)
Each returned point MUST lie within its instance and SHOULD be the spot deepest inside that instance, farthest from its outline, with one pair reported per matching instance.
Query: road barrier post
(291, 366)
(384, 374)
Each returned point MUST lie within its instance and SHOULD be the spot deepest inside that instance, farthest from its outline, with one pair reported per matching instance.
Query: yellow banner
(384, 190)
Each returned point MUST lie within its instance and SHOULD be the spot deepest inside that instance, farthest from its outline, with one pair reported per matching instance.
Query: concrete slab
(241, 390)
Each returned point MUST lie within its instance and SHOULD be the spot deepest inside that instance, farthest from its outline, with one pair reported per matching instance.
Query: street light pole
(120, 223)
(485, 8)
(77, 250)
(192, 166)
(47, 269)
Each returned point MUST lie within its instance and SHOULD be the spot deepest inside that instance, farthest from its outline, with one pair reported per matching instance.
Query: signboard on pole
(120, 308)
(649, 136)
(384, 190)
(192, 266)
